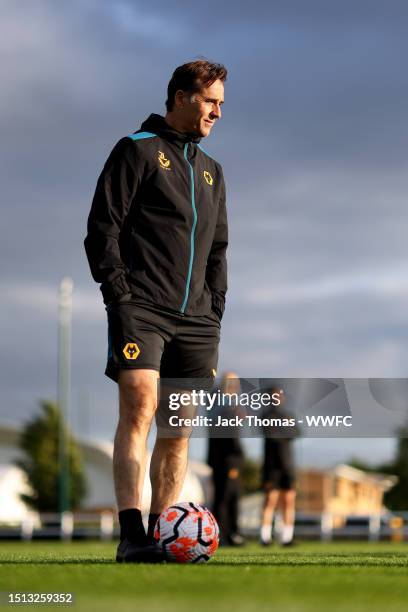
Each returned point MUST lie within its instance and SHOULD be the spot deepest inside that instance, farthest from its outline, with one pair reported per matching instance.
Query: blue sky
(313, 142)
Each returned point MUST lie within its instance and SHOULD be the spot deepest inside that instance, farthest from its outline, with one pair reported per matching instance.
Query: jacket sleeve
(115, 190)
(216, 273)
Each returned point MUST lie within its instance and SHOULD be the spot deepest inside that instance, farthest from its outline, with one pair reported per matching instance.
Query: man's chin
(205, 131)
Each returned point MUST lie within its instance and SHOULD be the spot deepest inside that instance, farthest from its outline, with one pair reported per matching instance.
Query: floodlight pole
(64, 384)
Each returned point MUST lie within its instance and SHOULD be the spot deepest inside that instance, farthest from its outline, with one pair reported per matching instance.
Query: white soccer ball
(188, 533)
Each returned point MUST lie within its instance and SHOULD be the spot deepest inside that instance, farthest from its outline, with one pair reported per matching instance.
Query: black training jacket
(158, 224)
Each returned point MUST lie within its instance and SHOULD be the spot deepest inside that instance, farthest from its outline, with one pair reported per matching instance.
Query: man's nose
(216, 111)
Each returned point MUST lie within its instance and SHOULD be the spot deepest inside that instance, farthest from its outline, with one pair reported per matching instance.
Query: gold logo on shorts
(208, 177)
(131, 351)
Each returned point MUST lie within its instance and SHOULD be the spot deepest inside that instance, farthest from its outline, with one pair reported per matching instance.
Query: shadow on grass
(382, 559)
(90, 561)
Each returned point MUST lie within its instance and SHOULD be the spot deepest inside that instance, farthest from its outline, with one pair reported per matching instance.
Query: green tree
(40, 443)
(397, 497)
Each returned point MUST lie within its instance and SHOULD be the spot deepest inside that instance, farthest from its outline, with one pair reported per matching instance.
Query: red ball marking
(212, 547)
(180, 549)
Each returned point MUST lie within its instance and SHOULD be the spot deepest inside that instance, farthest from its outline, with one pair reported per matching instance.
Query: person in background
(278, 479)
(225, 456)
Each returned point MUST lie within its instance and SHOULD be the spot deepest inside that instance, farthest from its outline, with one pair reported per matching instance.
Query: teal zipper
(193, 206)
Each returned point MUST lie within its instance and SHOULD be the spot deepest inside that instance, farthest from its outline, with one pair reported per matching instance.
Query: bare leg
(287, 500)
(270, 502)
(137, 405)
(167, 471)
(269, 506)
(288, 506)
(287, 503)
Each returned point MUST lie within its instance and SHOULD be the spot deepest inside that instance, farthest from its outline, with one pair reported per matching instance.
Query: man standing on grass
(157, 240)
(278, 474)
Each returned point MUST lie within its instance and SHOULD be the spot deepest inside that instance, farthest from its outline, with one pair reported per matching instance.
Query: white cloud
(150, 26)
(41, 298)
(387, 283)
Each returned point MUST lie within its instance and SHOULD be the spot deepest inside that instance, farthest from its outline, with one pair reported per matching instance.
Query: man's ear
(179, 98)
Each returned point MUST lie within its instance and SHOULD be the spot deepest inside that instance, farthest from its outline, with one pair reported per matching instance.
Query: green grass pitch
(337, 576)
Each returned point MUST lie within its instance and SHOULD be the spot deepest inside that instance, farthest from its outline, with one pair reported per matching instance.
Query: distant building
(339, 492)
(342, 491)
(13, 482)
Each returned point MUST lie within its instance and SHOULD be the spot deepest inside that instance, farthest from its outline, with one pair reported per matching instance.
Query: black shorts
(145, 336)
(278, 469)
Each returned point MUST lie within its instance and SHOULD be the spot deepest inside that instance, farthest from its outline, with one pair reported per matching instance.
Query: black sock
(131, 526)
(152, 523)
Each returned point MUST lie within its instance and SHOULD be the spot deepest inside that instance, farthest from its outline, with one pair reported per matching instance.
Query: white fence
(329, 526)
(65, 526)
(103, 526)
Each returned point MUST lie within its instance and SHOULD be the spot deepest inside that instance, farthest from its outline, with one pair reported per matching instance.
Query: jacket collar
(157, 125)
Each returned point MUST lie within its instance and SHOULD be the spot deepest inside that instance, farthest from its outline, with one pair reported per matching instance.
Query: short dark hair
(194, 76)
